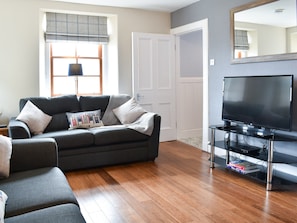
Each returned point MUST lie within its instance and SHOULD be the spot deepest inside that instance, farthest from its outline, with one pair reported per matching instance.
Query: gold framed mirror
(264, 30)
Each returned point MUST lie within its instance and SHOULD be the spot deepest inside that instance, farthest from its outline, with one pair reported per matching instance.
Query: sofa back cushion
(55, 107)
(91, 103)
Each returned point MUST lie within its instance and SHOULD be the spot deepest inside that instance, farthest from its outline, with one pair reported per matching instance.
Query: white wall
(268, 45)
(191, 58)
(292, 40)
(266, 40)
(19, 45)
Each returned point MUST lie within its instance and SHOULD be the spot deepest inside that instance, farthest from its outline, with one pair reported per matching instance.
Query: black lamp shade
(75, 70)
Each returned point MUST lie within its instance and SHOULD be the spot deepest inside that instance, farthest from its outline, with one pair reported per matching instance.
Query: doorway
(192, 83)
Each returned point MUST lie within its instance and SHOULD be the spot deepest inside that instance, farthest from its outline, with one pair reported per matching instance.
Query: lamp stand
(76, 85)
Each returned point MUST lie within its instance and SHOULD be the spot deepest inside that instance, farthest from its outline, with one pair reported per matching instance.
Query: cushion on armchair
(3, 199)
(5, 155)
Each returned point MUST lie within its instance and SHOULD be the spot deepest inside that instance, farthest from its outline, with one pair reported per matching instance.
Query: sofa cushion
(3, 199)
(116, 134)
(85, 119)
(129, 111)
(115, 101)
(70, 139)
(36, 189)
(55, 107)
(59, 122)
(35, 118)
(90, 103)
(5, 155)
(65, 213)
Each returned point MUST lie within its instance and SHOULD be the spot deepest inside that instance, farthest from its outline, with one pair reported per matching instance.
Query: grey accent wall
(218, 14)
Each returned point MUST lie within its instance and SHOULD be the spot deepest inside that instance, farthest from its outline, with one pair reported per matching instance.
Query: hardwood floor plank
(179, 187)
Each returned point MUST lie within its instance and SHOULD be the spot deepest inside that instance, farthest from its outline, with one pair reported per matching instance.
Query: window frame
(76, 57)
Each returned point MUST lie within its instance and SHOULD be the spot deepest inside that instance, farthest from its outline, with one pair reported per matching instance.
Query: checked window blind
(241, 40)
(70, 27)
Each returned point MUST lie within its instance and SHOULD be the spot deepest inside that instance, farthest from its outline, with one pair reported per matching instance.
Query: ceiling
(280, 13)
(154, 5)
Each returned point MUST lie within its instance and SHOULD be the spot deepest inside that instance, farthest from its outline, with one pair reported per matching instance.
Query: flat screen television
(259, 101)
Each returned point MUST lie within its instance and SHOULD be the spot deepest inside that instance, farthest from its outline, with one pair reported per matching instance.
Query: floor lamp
(75, 70)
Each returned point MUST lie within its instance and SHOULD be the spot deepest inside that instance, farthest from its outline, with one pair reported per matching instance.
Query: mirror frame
(275, 57)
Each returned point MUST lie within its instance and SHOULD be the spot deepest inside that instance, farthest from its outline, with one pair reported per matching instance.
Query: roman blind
(241, 40)
(70, 27)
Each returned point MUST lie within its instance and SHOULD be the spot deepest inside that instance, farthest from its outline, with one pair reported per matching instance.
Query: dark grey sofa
(85, 148)
(37, 189)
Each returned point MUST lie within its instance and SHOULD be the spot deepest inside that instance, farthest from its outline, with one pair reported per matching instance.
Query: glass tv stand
(233, 148)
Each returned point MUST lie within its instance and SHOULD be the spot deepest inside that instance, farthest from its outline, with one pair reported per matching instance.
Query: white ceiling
(266, 14)
(155, 5)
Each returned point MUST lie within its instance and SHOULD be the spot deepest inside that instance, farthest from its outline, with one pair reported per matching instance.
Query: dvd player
(245, 149)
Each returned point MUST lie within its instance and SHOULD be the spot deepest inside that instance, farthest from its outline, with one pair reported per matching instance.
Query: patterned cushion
(87, 119)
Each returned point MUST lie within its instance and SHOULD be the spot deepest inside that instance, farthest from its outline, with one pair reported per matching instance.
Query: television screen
(260, 101)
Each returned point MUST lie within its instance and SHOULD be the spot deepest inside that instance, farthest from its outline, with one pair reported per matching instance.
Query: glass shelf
(265, 154)
(262, 155)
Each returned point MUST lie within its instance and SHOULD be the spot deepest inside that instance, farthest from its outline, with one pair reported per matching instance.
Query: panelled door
(154, 78)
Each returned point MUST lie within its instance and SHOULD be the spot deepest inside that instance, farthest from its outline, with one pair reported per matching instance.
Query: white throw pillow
(3, 199)
(36, 119)
(129, 112)
(5, 155)
(88, 119)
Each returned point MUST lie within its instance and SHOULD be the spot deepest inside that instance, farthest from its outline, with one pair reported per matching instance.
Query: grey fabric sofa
(85, 148)
(37, 189)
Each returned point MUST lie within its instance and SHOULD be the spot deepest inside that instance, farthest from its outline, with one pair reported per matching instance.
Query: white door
(153, 61)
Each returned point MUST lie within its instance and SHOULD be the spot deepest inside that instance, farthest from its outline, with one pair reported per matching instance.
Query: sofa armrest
(18, 129)
(155, 138)
(28, 154)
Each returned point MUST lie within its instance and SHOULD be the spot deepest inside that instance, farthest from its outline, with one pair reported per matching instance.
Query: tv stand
(235, 148)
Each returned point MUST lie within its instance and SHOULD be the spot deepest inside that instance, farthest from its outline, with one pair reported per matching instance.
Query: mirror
(264, 30)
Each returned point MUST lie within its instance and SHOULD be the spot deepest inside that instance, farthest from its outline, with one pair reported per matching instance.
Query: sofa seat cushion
(36, 189)
(69, 139)
(116, 134)
(65, 213)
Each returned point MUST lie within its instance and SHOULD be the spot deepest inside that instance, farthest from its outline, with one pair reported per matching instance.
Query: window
(89, 55)
(72, 39)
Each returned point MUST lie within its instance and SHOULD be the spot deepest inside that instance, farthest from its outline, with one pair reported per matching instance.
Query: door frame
(200, 25)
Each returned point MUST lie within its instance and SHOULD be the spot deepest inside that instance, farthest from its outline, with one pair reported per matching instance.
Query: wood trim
(4, 131)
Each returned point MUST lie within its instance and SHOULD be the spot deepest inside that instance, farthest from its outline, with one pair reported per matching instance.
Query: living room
(28, 69)
(21, 64)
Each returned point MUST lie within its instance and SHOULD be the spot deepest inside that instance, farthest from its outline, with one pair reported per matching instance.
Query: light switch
(211, 62)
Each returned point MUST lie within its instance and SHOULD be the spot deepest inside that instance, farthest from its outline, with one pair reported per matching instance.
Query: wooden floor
(178, 187)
